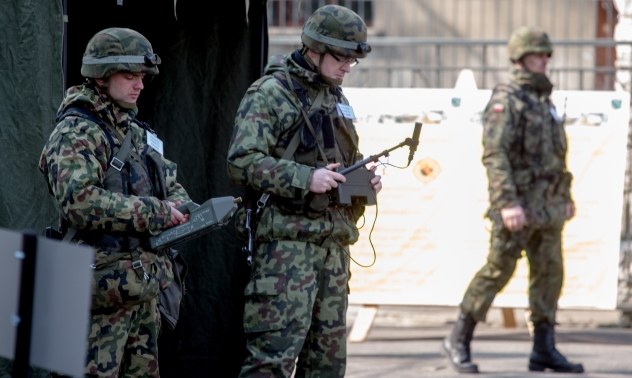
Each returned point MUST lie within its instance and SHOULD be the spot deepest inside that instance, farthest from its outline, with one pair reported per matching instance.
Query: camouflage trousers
(543, 249)
(295, 311)
(124, 343)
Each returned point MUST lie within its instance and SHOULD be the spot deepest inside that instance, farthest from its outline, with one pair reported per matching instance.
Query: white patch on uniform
(498, 108)
(346, 111)
(554, 114)
(154, 142)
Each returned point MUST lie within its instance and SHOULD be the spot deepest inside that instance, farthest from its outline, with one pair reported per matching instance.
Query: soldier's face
(536, 62)
(125, 87)
(336, 67)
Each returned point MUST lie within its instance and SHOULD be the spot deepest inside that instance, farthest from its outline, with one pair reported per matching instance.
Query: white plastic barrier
(430, 236)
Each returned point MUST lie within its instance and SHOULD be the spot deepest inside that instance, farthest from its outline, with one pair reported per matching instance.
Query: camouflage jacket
(525, 148)
(75, 160)
(267, 119)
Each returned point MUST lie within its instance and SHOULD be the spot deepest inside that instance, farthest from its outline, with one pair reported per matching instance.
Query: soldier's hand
(570, 210)
(376, 181)
(513, 218)
(176, 216)
(324, 179)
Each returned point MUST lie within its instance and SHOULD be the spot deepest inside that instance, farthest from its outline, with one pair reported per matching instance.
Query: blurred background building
(426, 43)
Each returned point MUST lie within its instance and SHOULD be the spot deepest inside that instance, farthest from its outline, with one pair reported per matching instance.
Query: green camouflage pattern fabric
(120, 42)
(296, 303)
(543, 249)
(74, 162)
(124, 343)
(528, 40)
(524, 155)
(118, 284)
(296, 300)
(265, 119)
(525, 149)
(337, 29)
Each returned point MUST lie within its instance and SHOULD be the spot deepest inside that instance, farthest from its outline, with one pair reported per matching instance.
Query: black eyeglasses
(350, 61)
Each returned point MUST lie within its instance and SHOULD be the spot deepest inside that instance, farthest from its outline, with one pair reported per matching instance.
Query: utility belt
(552, 176)
(312, 206)
(114, 242)
(526, 178)
(113, 257)
(121, 279)
(119, 247)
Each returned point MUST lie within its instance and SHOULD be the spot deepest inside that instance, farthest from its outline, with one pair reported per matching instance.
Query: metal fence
(436, 63)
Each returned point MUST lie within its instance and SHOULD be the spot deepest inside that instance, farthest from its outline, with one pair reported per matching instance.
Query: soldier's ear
(104, 83)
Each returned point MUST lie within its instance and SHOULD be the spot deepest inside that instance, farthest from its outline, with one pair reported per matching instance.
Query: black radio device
(357, 189)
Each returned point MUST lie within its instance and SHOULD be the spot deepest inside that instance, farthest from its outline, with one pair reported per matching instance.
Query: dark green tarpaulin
(31, 77)
(208, 61)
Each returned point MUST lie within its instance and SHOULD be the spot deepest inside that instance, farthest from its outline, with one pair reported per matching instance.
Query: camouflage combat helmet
(526, 40)
(118, 49)
(336, 29)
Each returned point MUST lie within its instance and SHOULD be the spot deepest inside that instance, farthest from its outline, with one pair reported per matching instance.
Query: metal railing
(437, 62)
(426, 43)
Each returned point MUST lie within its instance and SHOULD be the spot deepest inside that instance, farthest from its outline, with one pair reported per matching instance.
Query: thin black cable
(380, 163)
(370, 240)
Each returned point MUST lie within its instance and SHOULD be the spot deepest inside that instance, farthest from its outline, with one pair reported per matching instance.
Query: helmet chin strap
(325, 78)
(125, 105)
(103, 87)
(334, 82)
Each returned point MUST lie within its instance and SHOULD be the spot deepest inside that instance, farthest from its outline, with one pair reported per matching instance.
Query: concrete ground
(405, 341)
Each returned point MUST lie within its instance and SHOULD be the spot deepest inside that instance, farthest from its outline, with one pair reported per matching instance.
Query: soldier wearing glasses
(293, 130)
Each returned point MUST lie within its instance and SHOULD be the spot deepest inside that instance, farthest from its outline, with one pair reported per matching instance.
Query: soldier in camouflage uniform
(116, 202)
(293, 130)
(525, 150)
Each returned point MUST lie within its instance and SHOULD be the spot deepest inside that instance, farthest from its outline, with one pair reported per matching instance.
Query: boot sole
(538, 367)
(473, 369)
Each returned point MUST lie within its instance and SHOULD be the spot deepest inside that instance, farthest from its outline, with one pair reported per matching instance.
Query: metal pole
(24, 318)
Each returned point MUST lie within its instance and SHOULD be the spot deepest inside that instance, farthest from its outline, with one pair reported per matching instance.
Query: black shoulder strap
(80, 111)
(117, 162)
(301, 93)
(516, 91)
(294, 86)
(120, 157)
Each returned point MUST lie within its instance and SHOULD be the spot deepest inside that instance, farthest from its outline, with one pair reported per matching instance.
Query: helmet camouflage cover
(118, 49)
(334, 28)
(527, 40)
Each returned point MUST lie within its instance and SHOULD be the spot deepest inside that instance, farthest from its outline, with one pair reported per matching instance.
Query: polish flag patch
(498, 108)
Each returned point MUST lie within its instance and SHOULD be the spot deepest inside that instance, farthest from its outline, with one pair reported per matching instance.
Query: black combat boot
(544, 354)
(457, 345)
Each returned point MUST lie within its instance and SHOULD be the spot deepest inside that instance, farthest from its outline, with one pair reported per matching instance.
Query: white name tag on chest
(154, 142)
(554, 114)
(346, 111)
